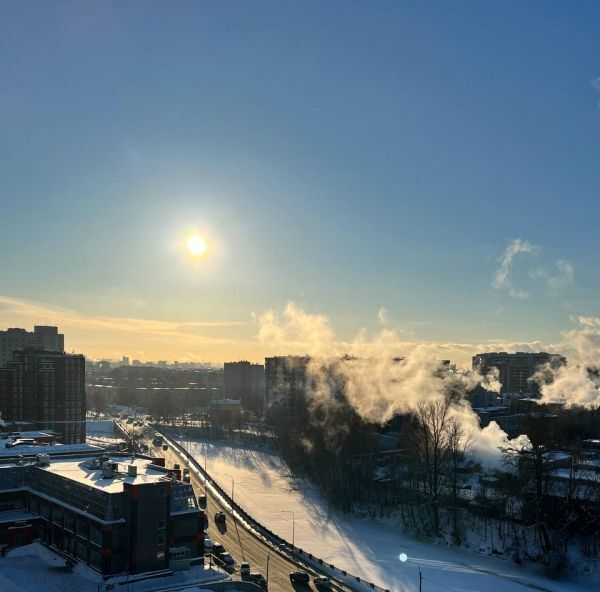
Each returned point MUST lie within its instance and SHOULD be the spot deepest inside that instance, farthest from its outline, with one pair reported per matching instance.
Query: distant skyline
(406, 172)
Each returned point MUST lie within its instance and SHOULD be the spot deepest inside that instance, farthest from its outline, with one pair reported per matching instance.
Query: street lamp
(293, 524)
(404, 558)
(268, 557)
(232, 484)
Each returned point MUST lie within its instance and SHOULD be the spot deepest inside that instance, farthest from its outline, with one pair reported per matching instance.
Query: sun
(197, 246)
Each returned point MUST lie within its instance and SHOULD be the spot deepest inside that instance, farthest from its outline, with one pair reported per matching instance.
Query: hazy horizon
(413, 173)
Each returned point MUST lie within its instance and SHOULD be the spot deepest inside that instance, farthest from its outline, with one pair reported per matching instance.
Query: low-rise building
(116, 514)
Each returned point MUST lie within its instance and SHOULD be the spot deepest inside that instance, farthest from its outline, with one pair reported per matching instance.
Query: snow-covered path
(366, 548)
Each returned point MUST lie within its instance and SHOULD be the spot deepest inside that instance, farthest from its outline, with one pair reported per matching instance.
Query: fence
(295, 554)
(171, 581)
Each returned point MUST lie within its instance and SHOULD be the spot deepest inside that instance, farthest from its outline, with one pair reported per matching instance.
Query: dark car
(322, 583)
(299, 577)
(218, 549)
(219, 518)
(202, 501)
(258, 579)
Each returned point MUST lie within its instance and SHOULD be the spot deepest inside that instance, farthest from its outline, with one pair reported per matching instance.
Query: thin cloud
(503, 280)
(383, 316)
(563, 277)
(502, 275)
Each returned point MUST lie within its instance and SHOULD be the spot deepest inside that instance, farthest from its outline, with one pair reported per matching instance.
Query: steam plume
(377, 383)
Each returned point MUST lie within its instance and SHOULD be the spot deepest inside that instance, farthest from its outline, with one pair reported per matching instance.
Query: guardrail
(296, 554)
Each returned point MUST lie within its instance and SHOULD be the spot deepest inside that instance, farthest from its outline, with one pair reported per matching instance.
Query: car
(227, 561)
(208, 545)
(244, 569)
(220, 517)
(322, 583)
(299, 577)
(258, 579)
(218, 549)
(202, 501)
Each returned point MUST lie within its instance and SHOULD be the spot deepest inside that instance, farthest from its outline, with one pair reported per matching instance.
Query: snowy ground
(365, 548)
(34, 568)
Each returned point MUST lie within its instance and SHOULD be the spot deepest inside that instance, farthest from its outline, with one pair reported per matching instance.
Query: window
(70, 522)
(81, 551)
(95, 558)
(95, 535)
(57, 516)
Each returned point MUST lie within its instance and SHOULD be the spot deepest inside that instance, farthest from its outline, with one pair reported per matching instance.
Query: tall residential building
(516, 370)
(286, 382)
(45, 387)
(245, 381)
(43, 337)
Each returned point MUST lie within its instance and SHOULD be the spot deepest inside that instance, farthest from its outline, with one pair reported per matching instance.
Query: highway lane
(237, 540)
(242, 545)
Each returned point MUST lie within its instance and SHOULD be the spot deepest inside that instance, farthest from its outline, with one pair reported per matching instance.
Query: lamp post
(205, 471)
(404, 558)
(293, 524)
(232, 484)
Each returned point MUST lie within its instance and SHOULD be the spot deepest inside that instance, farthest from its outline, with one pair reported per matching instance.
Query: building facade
(114, 514)
(46, 388)
(287, 380)
(43, 337)
(516, 370)
(245, 382)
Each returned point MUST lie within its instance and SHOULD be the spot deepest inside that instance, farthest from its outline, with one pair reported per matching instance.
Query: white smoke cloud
(377, 383)
(486, 442)
(577, 383)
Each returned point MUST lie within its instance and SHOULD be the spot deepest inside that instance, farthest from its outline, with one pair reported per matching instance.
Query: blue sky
(346, 156)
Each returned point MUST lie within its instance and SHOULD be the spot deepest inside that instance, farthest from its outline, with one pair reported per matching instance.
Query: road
(237, 540)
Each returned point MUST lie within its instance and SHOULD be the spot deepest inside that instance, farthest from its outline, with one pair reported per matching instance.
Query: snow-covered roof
(84, 472)
(51, 449)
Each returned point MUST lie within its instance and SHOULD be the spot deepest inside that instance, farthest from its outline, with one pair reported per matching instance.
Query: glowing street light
(404, 558)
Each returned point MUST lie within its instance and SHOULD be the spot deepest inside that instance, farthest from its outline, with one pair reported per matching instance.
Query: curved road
(237, 540)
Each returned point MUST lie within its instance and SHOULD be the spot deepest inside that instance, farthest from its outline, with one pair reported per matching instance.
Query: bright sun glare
(196, 245)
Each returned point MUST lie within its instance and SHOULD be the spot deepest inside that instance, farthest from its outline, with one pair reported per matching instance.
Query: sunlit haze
(423, 169)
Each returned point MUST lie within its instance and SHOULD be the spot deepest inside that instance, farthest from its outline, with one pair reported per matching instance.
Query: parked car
(227, 561)
(322, 583)
(220, 518)
(208, 545)
(258, 579)
(218, 549)
(299, 577)
(244, 569)
(202, 501)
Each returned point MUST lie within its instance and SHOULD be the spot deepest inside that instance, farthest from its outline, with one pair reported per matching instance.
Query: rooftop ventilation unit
(132, 470)
(43, 460)
(109, 470)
